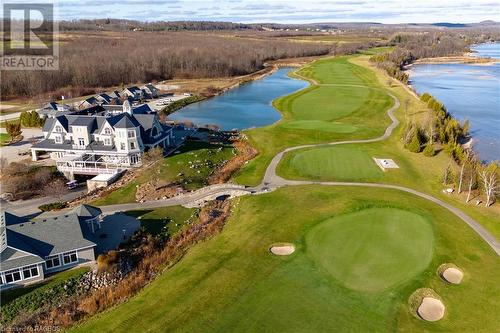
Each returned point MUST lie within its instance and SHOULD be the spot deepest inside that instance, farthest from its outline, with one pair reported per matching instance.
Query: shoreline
(467, 59)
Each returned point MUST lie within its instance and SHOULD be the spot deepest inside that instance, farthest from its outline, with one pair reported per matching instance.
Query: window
(58, 129)
(132, 145)
(58, 139)
(81, 142)
(122, 146)
(30, 271)
(1, 280)
(70, 257)
(107, 141)
(107, 131)
(131, 134)
(13, 276)
(52, 261)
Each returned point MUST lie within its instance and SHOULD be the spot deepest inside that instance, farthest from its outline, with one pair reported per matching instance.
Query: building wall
(84, 256)
(40, 277)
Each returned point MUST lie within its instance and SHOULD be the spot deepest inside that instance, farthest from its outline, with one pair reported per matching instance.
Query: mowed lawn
(231, 282)
(372, 249)
(350, 106)
(335, 163)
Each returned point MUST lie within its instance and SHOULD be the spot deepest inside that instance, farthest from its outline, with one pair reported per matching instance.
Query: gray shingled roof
(51, 235)
(12, 258)
(87, 211)
(126, 121)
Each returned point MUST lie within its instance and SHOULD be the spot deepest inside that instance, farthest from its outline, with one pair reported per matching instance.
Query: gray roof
(125, 121)
(87, 121)
(52, 235)
(13, 258)
(87, 211)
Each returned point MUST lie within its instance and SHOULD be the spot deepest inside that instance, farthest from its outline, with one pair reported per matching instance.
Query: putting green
(318, 125)
(330, 163)
(373, 249)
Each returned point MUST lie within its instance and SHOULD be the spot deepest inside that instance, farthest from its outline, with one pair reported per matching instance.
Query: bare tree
(56, 188)
(489, 177)
(153, 155)
(472, 177)
(465, 161)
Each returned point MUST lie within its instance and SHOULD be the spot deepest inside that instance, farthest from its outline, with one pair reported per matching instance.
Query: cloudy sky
(291, 11)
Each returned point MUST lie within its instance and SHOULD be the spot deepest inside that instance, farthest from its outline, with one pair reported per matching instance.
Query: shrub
(415, 145)
(53, 206)
(429, 150)
(107, 261)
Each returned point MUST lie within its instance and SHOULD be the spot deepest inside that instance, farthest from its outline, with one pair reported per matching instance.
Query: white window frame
(81, 142)
(69, 253)
(30, 270)
(58, 139)
(132, 145)
(51, 258)
(131, 134)
(13, 271)
(58, 129)
(107, 141)
(122, 146)
(107, 131)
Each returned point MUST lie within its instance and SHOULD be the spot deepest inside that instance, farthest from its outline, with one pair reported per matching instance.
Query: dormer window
(107, 131)
(58, 129)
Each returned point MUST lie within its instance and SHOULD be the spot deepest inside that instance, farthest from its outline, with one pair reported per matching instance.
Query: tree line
(440, 128)
(132, 57)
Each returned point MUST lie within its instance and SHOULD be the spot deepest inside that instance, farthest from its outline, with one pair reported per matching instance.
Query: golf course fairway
(232, 283)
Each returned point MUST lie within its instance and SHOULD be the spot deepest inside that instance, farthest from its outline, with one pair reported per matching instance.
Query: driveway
(11, 152)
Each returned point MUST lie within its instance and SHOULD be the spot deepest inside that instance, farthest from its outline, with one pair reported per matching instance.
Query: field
(360, 252)
(231, 283)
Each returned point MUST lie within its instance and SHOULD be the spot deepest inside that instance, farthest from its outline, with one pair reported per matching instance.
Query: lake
(246, 106)
(469, 91)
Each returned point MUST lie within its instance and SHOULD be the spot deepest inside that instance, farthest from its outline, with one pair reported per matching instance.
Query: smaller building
(53, 109)
(150, 91)
(133, 92)
(33, 248)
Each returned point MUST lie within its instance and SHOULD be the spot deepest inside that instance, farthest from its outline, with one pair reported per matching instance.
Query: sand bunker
(453, 275)
(282, 249)
(431, 309)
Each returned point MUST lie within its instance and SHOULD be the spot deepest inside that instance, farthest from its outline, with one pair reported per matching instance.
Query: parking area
(160, 102)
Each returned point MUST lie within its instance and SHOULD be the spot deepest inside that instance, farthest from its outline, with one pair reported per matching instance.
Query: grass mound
(372, 249)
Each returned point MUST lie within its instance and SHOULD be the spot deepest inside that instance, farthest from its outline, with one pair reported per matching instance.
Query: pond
(246, 106)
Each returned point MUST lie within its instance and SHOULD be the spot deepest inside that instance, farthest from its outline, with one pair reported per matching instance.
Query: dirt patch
(282, 249)
(245, 153)
(431, 309)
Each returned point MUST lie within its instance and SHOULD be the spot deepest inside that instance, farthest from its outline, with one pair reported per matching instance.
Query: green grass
(4, 138)
(189, 168)
(372, 249)
(165, 219)
(231, 283)
(321, 113)
(11, 294)
(336, 163)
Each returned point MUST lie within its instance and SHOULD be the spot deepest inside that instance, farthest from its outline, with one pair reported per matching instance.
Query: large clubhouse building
(102, 139)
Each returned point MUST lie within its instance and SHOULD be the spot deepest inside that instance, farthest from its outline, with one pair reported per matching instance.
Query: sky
(278, 11)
